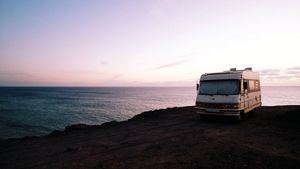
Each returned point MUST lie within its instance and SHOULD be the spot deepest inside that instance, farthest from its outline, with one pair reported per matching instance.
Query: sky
(146, 42)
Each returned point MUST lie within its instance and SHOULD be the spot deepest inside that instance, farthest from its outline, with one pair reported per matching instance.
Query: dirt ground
(170, 138)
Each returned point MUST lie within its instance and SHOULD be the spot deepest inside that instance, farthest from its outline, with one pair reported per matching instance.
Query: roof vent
(248, 68)
(232, 69)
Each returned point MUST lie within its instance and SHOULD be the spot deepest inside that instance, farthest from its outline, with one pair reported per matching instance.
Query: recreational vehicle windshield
(229, 93)
(219, 87)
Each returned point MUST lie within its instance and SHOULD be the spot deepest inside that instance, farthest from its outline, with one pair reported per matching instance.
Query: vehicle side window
(245, 85)
(256, 85)
(253, 86)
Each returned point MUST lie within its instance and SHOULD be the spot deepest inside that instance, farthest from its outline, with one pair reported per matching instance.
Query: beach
(167, 138)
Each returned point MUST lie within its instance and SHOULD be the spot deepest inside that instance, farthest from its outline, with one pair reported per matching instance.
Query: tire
(242, 114)
(251, 113)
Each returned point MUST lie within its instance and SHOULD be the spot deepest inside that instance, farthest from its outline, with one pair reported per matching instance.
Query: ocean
(35, 111)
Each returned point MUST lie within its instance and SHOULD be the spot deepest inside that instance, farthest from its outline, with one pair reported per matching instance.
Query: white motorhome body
(228, 93)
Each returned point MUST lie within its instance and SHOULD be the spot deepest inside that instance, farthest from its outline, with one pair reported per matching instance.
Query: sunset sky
(146, 43)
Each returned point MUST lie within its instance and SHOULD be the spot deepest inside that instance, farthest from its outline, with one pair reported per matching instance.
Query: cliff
(168, 138)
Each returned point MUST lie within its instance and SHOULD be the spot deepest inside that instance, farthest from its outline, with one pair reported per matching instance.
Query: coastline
(166, 138)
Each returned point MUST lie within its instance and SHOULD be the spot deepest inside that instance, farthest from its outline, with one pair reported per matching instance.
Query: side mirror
(197, 87)
(245, 91)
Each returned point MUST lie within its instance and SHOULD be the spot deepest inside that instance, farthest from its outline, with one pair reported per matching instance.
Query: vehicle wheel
(242, 115)
(252, 112)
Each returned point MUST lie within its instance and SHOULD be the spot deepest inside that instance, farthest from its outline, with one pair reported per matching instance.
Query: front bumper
(217, 112)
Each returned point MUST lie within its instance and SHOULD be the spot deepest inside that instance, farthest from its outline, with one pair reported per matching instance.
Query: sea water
(33, 111)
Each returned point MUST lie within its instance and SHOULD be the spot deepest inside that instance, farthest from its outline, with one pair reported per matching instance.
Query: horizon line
(131, 86)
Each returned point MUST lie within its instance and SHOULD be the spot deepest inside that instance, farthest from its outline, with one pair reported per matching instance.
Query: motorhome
(228, 93)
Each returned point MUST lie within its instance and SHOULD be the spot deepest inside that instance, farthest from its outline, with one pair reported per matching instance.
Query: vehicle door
(245, 95)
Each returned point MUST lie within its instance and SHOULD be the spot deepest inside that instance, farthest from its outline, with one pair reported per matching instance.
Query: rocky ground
(169, 138)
